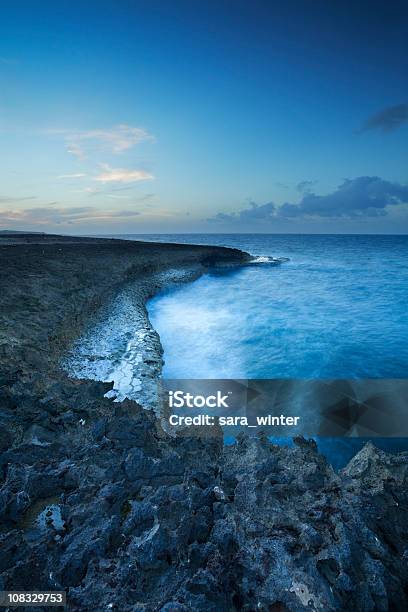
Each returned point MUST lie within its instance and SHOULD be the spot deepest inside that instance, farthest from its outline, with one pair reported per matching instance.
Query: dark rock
(151, 522)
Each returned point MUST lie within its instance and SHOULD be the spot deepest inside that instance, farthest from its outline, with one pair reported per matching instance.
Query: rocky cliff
(97, 500)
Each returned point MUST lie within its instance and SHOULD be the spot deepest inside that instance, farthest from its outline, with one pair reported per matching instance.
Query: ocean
(336, 309)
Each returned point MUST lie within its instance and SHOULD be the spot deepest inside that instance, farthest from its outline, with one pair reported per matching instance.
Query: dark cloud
(363, 196)
(255, 212)
(388, 119)
(305, 186)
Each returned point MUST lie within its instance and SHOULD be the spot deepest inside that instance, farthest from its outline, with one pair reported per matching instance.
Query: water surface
(337, 309)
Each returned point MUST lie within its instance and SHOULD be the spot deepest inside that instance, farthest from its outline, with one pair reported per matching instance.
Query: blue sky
(216, 116)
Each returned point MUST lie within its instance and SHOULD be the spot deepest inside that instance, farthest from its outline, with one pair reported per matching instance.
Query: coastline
(135, 519)
(140, 342)
(81, 275)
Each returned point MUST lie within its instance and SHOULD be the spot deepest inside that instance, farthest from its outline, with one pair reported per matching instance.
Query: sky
(204, 116)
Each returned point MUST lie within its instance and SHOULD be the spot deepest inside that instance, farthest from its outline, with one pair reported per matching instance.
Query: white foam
(265, 259)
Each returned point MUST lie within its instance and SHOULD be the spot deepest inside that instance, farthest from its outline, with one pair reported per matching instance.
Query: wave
(255, 260)
(266, 259)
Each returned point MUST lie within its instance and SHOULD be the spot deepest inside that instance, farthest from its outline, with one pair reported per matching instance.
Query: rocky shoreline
(97, 500)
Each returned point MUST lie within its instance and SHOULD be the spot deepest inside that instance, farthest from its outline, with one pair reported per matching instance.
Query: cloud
(256, 212)
(57, 215)
(75, 149)
(116, 139)
(117, 191)
(121, 175)
(117, 196)
(11, 200)
(364, 196)
(72, 176)
(147, 197)
(387, 120)
(305, 186)
(124, 213)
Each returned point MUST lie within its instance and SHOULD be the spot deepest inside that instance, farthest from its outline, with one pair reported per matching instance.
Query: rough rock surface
(97, 500)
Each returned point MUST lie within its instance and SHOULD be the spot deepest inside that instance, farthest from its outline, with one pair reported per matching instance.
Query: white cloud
(51, 214)
(75, 149)
(116, 139)
(11, 200)
(122, 175)
(72, 176)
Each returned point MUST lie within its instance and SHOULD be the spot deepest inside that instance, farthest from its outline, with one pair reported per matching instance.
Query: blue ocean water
(337, 309)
